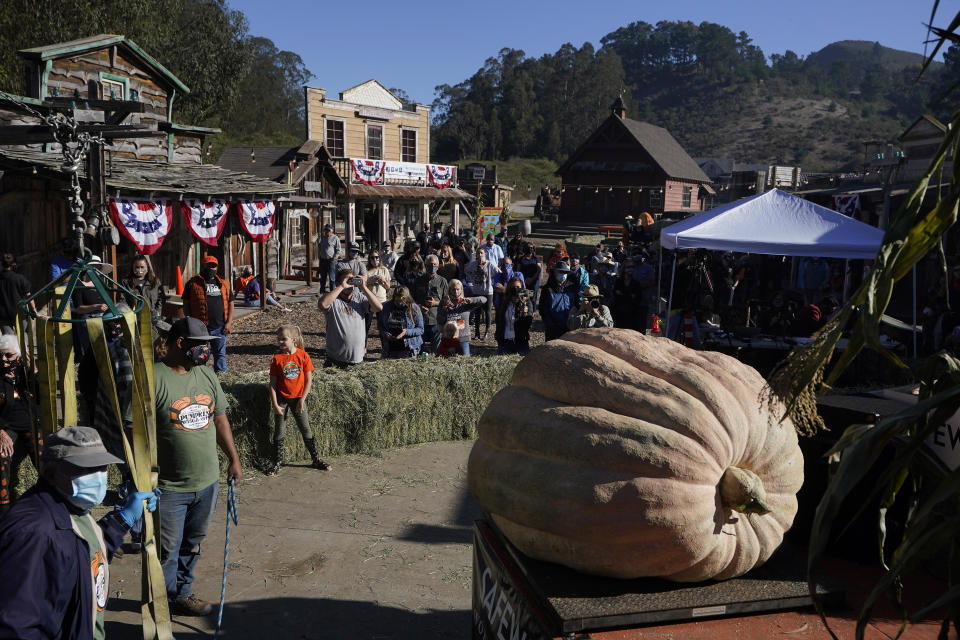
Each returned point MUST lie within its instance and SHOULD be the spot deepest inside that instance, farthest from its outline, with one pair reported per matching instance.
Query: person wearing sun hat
(191, 411)
(55, 556)
(207, 298)
(557, 299)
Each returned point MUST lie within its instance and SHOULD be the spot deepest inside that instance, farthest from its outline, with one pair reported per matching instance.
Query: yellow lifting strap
(141, 454)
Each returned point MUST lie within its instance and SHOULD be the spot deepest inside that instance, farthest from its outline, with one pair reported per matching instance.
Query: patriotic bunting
(440, 175)
(144, 222)
(368, 172)
(205, 219)
(848, 205)
(256, 218)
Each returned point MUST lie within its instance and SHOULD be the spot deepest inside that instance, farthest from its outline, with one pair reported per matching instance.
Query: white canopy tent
(774, 223)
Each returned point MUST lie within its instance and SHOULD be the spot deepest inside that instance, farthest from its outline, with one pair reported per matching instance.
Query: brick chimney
(618, 108)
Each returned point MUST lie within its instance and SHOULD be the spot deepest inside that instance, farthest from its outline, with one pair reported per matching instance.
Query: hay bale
(370, 407)
(366, 409)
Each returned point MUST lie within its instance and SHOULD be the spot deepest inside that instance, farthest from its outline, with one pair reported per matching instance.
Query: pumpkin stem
(742, 491)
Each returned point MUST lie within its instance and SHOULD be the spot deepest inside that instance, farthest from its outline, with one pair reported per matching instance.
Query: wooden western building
(380, 147)
(147, 155)
(300, 215)
(627, 167)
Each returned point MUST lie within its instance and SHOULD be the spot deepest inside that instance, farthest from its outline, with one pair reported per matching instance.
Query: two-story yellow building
(381, 148)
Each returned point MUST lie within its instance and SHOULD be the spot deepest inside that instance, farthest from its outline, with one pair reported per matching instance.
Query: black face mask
(9, 367)
(208, 273)
(199, 354)
(432, 268)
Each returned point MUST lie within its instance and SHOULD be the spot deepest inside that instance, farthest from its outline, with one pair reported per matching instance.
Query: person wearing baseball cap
(557, 299)
(54, 555)
(191, 421)
(328, 252)
(353, 261)
(206, 297)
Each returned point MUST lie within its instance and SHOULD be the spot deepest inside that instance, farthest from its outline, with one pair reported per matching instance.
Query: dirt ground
(252, 343)
(377, 548)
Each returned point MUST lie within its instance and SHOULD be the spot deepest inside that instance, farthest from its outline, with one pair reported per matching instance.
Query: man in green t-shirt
(189, 402)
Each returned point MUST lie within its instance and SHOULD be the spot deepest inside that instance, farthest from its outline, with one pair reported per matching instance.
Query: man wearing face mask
(353, 261)
(207, 298)
(492, 249)
(429, 290)
(191, 422)
(53, 553)
(557, 298)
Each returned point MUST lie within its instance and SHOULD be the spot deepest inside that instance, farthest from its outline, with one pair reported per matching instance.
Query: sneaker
(286, 309)
(191, 606)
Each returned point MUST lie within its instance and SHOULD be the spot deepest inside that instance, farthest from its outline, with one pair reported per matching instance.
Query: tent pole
(673, 274)
(659, 280)
(914, 311)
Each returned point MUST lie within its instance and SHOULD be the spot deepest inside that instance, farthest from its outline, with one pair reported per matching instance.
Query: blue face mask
(89, 490)
(561, 277)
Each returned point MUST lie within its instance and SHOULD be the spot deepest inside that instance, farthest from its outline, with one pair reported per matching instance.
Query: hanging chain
(74, 145)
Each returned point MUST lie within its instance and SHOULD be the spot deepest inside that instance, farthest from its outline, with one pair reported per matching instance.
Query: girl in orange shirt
(291, 375)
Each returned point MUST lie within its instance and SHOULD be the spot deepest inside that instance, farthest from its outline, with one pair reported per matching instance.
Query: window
(113, 90)
(335, 138)
(375, 141)
(408, 145)
(656, 199)
(687, 193)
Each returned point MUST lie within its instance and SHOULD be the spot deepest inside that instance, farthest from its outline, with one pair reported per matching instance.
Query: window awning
(400, 192)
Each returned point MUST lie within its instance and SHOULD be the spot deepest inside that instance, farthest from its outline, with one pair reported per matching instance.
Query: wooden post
(263, 275)
(226, 242)
(426, 217)
(456, 218)
(310, 228)
(384, 224)
(351, 228)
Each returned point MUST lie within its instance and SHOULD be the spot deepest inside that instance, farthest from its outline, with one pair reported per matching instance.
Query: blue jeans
(218, 350)
(184, 521)
(328, 273)
(465, 346)
(431, 337)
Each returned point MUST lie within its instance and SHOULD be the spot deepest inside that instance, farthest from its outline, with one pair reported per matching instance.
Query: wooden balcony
(394, 173)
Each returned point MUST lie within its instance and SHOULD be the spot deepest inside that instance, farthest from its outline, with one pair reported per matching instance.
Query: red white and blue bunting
(205, 219)
(256, 218)
(144, 222)
(368, 172)
(440, 175)
(848, 205)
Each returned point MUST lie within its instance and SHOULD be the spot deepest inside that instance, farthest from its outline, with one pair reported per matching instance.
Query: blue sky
(416, 46)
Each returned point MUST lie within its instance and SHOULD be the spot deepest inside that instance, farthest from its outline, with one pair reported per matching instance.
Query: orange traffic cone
(179, 281)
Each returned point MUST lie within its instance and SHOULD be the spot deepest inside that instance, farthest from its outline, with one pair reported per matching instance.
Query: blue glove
(131, 508)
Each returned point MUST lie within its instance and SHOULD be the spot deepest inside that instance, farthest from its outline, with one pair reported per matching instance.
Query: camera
(355, 281)
(595, 303)
(525, 294)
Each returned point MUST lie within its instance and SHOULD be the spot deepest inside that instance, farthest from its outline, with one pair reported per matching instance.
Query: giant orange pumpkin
(622, 455)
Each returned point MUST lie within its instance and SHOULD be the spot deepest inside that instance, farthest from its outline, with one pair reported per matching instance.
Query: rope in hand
(231, 515)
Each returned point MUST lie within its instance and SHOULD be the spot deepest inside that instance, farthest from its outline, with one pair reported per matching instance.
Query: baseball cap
(79, 446)
(210, 260)
(353, 246)
(191, 329)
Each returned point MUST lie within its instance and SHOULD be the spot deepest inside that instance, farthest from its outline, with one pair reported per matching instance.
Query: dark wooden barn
(627, 167)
